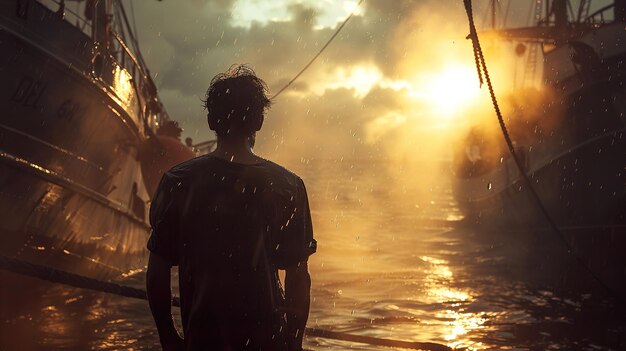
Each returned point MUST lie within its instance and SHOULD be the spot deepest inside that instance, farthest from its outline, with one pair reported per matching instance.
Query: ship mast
(101, 19)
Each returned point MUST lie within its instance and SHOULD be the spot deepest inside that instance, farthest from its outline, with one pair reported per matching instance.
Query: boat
(569, 135)
(84, 137)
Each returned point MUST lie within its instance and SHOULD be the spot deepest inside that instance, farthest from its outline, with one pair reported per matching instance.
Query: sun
(449, 90)
(454, 88)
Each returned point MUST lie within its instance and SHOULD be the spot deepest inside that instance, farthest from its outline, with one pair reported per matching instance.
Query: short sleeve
(295, 236)
(163, 239)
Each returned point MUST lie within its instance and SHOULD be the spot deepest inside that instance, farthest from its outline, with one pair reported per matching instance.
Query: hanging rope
(318, 53)
(50, 274)
(481, 66)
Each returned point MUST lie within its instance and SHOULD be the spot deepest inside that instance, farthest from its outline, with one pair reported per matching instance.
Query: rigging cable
(483, 73)
(318, 53)
(133, 35)
(132, 16)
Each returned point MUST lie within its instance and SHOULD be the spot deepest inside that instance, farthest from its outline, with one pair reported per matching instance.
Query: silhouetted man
(230, 220)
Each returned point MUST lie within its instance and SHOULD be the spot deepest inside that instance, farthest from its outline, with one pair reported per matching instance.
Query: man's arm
(298, 300)
(160, 300)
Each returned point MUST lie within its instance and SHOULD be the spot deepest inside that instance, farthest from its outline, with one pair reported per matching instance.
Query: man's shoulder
(198, 166)
(188, 168)
(283, 172)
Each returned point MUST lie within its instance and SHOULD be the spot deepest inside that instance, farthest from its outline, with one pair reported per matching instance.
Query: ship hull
(573, 151)
(582, 191)
(583, 187)
(568, 137)
(71, 191)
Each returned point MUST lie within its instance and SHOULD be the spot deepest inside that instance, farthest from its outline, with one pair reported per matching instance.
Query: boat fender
(157, 155)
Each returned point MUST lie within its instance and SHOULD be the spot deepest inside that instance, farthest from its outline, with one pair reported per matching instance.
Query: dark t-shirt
(229, 227)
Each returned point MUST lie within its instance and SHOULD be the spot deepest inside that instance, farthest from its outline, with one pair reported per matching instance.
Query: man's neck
(236, 149)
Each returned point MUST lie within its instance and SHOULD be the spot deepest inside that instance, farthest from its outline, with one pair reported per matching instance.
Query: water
(393, 262)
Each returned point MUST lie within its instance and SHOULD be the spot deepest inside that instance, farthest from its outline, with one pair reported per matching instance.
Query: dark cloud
(304, 17)
(198, 40)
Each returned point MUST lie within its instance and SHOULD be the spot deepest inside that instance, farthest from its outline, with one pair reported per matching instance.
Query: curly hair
(236, 101)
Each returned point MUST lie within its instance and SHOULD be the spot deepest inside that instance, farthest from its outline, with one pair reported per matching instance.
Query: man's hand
(298, 300)
(160, 300)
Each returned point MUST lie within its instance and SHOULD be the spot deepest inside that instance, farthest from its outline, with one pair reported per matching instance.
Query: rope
(50, 274)
(414, 345)
(318, 53)
(482, 71)
(57, 276)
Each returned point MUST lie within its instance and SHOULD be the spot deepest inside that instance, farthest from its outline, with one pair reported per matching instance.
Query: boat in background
(569, 136)
(84, 137)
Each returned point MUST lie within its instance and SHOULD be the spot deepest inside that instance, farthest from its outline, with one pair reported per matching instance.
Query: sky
(398, 82)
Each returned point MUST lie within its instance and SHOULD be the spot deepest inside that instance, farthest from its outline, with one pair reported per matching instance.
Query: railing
(205, 147)
(598, 17)
(118, 53)
(143, 85)
(128, 61)
(68, 14)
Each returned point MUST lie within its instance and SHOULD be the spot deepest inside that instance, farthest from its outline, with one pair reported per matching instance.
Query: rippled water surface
(394, 261)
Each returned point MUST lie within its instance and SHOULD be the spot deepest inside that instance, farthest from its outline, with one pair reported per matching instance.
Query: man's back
(229, 227)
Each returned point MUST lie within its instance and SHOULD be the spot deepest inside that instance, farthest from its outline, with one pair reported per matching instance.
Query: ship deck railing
(204, 147)
(600, 16)
(70, 15)
(118, 52)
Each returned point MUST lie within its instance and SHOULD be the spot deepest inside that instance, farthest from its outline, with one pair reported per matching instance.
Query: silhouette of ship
(84, 137)
(570, 139)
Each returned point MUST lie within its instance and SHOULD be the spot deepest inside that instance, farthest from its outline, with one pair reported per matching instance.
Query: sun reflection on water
(458, 323)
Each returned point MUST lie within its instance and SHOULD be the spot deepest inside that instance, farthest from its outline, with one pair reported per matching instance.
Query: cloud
(351, 102)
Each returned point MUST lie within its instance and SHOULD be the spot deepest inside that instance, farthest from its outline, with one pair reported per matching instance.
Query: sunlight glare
(351, 7)
(449, 90)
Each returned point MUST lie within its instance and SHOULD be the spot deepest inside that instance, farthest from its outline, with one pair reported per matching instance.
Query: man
(230, 220)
